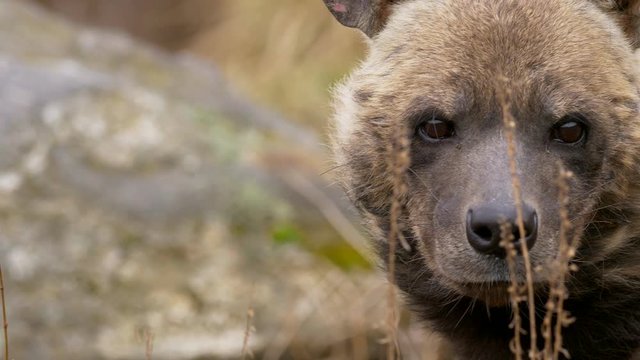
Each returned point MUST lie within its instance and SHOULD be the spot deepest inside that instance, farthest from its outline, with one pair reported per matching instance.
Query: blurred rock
(140, 195)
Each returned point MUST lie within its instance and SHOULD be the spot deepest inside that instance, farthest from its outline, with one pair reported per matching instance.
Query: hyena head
(444, 73)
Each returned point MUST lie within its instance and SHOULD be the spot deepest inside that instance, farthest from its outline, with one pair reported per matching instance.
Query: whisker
(465, 313)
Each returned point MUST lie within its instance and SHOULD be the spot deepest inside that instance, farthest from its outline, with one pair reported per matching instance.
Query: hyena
(437, 69)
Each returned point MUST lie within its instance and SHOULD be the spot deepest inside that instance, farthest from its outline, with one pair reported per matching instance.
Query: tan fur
(425, 41)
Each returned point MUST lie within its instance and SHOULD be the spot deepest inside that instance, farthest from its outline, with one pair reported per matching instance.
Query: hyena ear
(627, 14)
(369, 16)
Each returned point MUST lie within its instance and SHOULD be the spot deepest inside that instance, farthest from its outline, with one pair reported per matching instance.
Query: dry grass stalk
(359, 343)
(400, 164)
(148, 341)
(246, 351)
(331, 211)
(507, 242)
(560, 268)
(359, 346)
(509, 123)
(547, 325)
(5, 323)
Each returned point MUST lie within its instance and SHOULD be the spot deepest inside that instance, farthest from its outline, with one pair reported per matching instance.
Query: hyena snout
(483, 227)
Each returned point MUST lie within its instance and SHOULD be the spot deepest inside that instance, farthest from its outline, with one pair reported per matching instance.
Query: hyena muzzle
(436, 70)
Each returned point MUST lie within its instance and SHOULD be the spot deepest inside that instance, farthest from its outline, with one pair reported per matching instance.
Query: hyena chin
(441, 73)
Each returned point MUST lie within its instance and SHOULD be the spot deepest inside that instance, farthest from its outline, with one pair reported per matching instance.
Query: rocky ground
(143, 201)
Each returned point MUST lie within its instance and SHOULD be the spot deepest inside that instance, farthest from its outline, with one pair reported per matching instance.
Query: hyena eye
(436, 129)
(570, 130)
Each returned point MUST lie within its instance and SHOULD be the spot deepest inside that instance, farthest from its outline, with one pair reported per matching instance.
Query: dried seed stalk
(148, 341)
(246, 351)
(547, 323)
(399, 164)
(507, 242)
(560, 268)
(509, 126)
(566, 252)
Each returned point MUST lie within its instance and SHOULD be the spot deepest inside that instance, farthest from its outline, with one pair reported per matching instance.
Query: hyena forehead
(453, 51)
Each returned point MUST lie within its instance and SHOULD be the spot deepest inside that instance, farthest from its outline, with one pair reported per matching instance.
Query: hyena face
(445, 71)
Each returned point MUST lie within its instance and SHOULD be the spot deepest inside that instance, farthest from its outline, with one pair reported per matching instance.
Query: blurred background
(284, 53)
(165, 187)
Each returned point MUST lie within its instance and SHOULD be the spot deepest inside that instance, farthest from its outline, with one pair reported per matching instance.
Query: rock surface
(140, 198)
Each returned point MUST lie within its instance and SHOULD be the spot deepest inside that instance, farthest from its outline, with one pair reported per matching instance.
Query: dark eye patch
(435, 127)
(571, 129)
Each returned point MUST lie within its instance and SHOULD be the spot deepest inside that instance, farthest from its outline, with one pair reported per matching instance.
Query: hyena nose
(483, 227)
